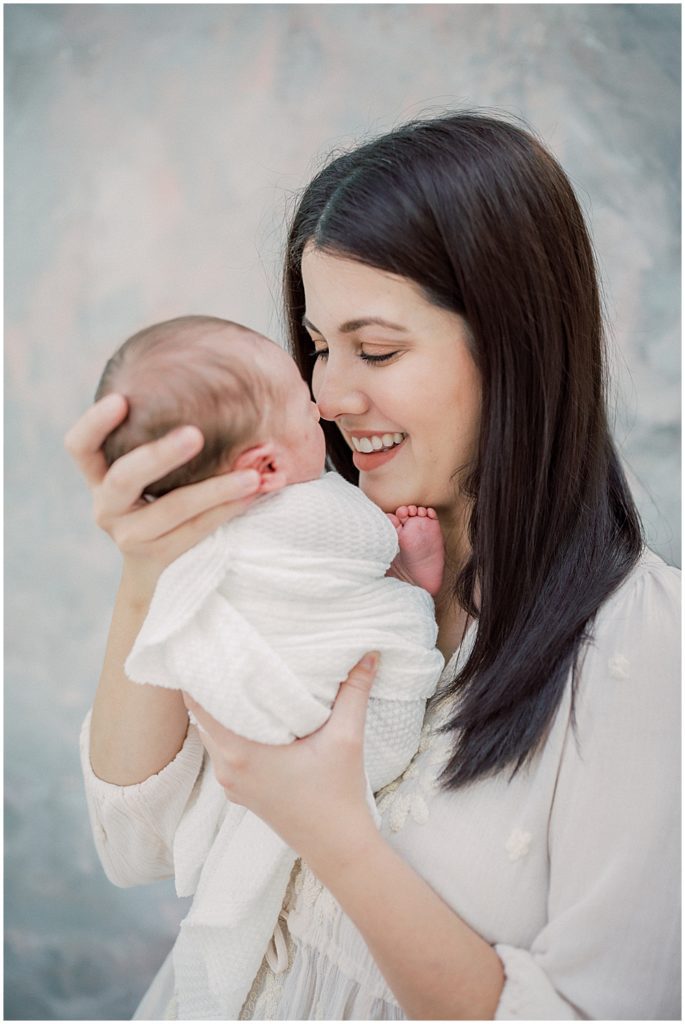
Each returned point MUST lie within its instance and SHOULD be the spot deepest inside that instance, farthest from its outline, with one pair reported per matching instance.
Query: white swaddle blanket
(260, 623)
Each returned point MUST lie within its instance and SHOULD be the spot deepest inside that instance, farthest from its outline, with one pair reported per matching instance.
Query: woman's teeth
(377, 442)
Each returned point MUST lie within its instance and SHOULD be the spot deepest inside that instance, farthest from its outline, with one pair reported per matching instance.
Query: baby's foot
(421, 558)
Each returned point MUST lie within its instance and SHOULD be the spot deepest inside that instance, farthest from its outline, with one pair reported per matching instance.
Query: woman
(440, 285)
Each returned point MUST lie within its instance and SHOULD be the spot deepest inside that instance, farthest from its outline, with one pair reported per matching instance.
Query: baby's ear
(266, 460)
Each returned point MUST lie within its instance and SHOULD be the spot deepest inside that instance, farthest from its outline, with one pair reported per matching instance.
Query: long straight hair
(476, 211)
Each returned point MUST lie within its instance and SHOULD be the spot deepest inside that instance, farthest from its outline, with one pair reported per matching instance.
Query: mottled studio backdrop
(151, 151)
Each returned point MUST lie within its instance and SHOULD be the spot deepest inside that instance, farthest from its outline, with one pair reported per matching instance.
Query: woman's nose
(336, 396)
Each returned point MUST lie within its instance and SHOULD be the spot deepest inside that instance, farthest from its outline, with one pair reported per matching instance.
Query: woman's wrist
(138, 581)
(336, 855)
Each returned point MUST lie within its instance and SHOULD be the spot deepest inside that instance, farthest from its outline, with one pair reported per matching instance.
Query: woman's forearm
(312, 793)
(135, 730)
(436, 965)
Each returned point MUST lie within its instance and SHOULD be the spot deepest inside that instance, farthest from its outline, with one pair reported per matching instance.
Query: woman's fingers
(164, 529)
(84, 440)
(186, 503)
(188, 514)
(128, 477)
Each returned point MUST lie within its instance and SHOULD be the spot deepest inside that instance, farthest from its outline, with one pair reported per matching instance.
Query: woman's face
(391, 363)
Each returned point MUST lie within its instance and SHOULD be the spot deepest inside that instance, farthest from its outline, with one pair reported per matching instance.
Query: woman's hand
(137, 730)
(151, 535)
(312, 792)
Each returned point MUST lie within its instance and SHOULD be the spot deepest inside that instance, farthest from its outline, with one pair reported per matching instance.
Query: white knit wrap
(260, 623)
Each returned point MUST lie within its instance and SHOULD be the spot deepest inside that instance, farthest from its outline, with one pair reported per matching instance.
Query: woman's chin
(387, 497)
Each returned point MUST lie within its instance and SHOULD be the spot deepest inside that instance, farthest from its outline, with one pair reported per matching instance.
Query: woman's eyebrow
(355, 325)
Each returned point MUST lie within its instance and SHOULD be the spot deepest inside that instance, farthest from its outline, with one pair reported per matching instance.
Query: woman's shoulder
(648, 600)
(633, 652)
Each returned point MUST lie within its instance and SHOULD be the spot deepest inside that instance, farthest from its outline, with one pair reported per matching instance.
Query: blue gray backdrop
(151, 154)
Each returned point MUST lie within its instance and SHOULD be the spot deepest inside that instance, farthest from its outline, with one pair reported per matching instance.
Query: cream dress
(570, 870)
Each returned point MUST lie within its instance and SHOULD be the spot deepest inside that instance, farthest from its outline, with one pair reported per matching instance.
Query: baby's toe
(421, 511)
(412, 510)
(431, 513)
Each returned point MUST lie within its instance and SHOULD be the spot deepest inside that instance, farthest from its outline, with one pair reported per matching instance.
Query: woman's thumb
(353, 695)
(361, 677)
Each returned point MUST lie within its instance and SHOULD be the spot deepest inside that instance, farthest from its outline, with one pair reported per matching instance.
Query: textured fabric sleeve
(133, 826)
(611, 946)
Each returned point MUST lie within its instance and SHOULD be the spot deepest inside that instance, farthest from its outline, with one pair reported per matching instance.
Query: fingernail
(247, 480)
(114, 399)
(186, 437)
(369, 661)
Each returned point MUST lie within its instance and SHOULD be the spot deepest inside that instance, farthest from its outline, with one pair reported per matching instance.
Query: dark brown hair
(475, 211)
(174, 373)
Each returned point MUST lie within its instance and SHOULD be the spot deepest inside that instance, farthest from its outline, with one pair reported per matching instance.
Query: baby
(262, 620)
(166, 389)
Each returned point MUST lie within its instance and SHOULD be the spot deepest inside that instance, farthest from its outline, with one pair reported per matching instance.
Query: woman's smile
(373, 440)
(365, 460)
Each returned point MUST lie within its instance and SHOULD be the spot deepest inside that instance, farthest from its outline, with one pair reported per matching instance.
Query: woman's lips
(367, 462)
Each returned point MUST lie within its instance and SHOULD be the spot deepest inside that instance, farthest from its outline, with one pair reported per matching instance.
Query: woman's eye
(377, 359)
(322, 353)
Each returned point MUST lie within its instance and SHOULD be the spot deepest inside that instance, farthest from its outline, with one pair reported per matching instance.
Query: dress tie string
(277, 950)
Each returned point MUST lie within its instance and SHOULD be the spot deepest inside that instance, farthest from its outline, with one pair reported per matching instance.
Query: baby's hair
(176, 373)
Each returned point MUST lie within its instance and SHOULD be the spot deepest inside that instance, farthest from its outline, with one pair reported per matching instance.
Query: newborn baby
(166, 387)
(261, 621)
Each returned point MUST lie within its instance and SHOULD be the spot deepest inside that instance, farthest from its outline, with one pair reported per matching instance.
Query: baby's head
(243, 391)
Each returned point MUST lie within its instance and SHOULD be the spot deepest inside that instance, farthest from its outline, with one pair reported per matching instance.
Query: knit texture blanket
(260, 623)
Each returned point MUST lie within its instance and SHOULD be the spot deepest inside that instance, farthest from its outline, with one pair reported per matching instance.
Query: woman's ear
(267, 461)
